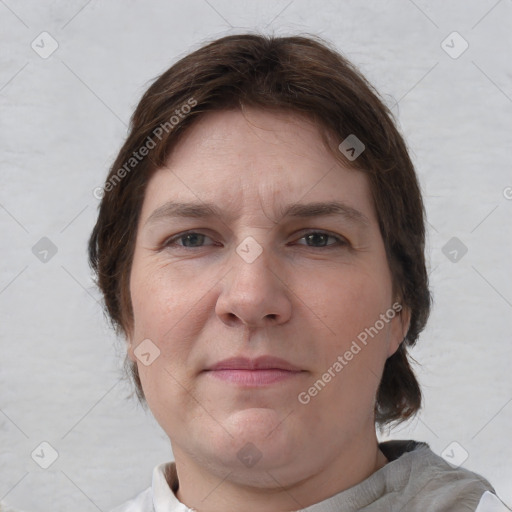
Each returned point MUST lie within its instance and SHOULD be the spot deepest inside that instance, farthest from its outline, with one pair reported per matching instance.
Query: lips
(260, 363)
(254, 373)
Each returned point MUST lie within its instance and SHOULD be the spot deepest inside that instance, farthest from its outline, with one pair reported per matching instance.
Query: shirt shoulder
(491, 503)
(428, 483)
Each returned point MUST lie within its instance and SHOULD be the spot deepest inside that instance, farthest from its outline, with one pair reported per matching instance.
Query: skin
(303, 299)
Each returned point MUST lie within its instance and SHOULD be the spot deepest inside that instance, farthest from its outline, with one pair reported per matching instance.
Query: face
(255, 243)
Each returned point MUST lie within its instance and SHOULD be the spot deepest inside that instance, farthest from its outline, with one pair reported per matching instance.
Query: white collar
(164, 499)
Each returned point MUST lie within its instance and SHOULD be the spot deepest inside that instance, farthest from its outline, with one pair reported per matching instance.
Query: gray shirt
(414, 480)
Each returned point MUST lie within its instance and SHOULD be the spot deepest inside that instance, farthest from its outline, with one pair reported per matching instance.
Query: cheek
(170, 311)
(163, 311)
(165, 394)
(353, 303)
(352, 356)
(351, 300)
(163, 302)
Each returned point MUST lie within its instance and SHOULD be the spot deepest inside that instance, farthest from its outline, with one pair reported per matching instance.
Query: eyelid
(340, 240)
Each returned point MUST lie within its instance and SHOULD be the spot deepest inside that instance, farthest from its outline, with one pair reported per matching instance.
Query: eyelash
(339, 241)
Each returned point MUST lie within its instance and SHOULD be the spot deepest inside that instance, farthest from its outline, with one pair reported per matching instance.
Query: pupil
(320, 238)
(194, 239)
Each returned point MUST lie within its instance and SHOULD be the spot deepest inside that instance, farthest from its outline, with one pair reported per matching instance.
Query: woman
(260, 245)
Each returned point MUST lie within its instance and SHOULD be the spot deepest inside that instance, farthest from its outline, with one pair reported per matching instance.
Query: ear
(399, 326)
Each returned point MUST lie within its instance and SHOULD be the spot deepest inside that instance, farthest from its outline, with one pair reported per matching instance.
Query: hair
(300, 75)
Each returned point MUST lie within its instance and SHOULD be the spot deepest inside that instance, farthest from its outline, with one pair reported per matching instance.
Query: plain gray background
(62, 121)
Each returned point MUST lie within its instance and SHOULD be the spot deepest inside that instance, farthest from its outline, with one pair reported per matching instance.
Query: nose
(254, 294)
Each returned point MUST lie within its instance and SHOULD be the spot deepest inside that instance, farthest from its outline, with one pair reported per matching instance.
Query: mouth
(262, 371)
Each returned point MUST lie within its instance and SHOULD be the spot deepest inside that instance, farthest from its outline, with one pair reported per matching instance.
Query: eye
(189, 240)
(196, 240)
(321, 239)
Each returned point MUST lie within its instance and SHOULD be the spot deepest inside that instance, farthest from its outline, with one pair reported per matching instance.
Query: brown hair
(296, 74)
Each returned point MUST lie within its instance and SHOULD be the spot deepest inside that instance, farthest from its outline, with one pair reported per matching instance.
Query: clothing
(414, 480)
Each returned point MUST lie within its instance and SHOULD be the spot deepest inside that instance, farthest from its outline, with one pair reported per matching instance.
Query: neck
(210, 489)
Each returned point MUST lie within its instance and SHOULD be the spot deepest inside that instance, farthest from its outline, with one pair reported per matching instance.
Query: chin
(257, 433)
(256, 422)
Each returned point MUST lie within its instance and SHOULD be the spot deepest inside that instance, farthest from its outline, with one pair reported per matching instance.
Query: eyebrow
(298, 210)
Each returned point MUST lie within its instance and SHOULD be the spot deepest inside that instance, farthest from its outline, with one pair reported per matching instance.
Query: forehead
(244, 160)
